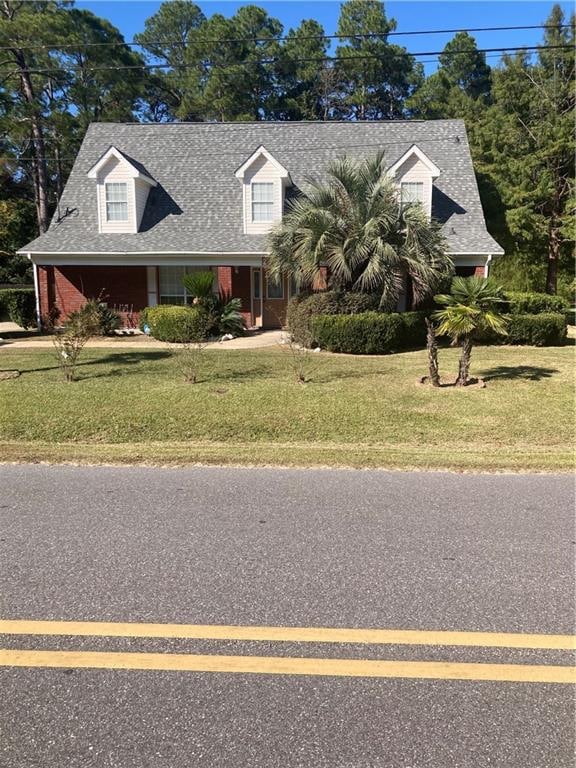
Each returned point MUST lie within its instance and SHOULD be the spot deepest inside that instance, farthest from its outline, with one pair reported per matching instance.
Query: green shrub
(304, 307)
(355, 303)
(370, 333)
(413, 334)
(18, 305)
(534, 303)
(547, 329)
(177, 324)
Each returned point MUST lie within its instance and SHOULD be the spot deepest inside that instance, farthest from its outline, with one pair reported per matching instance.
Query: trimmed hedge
(304, 307)
(18, 305)
(370, 333)
(534, 303)
(176, 323)
(547, 329)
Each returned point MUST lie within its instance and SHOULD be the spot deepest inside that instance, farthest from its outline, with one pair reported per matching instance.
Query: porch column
(152, 285)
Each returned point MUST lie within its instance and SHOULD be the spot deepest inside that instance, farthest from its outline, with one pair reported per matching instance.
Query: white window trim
(123, 184)
(270, 203)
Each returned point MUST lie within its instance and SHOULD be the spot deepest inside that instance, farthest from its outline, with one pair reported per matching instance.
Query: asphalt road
(287, 548)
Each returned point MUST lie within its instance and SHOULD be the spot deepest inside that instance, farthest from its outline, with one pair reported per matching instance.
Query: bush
(304, 307)
(19, 306)
(534, 303)
(547, 329)
(143, 318)
(370, 333)
(96, 316)
(177, 324)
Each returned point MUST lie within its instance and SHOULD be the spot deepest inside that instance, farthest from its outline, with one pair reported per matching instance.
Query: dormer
(414, 174)
(122, 187)
(264, 181)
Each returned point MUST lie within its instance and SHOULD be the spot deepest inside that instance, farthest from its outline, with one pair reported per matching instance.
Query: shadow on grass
(119, 359)
(526, 372)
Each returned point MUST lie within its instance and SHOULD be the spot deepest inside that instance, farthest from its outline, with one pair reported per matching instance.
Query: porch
(127, 289)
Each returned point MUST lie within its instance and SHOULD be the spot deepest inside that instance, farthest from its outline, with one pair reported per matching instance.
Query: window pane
(412, 192)
(116, 201)
(262, 201)
(171, 289)
(274, 290)
(262, 211)
(117, 211)
(256, 283)
(263, 192)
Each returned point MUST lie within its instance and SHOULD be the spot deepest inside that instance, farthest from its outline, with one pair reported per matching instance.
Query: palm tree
(355, 225)
(471, 310)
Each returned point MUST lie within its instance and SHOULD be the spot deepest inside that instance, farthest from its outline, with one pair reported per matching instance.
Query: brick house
(145, 203)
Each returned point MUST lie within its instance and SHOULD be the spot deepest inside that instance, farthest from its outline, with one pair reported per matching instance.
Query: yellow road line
(288, 634)
(275, 665)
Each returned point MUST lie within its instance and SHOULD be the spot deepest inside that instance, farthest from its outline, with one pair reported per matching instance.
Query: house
(145, 203)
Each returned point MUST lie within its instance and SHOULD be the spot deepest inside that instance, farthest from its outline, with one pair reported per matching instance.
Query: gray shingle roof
(197, 205)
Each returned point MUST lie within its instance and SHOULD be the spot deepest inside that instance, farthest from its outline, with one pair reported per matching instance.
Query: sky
(129, 16)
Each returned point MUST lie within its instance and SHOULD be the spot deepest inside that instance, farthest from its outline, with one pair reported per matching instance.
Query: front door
(269, 299)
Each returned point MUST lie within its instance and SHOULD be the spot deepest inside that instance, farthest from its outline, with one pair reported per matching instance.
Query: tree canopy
(62, 67)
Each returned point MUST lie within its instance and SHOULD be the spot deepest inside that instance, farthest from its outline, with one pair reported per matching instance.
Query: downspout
(487, 266)
(37, 295)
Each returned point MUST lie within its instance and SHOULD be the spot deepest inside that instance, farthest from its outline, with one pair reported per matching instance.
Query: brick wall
(236, 282)
(68, 287)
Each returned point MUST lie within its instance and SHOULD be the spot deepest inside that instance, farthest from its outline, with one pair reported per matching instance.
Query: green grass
(135, 407)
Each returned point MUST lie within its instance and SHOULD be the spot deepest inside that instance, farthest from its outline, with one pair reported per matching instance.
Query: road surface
(272, 578)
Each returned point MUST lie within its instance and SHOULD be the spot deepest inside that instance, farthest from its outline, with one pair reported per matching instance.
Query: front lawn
(134, 406)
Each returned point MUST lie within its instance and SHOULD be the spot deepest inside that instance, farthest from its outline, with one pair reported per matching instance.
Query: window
(116, 201)
(411, 192)
(262, 201)
(170, 287)
(274, 290)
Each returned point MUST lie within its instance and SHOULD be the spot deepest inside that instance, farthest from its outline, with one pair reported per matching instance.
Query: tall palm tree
(471, 309)
(355, 225)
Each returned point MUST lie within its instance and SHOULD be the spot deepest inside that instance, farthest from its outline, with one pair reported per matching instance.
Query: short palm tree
(472, 308)
(355, 225)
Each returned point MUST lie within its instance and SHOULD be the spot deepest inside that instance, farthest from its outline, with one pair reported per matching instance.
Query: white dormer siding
(414, 168)
(262, 169)
(114, 168)
(114, 172)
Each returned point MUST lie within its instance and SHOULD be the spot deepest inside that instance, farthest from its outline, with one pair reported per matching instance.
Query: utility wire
(227, 40)
(455, 139)
(275, 59)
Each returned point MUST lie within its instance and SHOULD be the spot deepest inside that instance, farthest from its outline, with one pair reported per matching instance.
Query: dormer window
(264, 181)
(411, 192)
(414, 174)
(116, 201)
(122, 188)
(262, 201)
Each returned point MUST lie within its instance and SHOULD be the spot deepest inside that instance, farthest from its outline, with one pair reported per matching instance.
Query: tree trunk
(432, 348)
(41, 188)
(553, 254)
(464, 363)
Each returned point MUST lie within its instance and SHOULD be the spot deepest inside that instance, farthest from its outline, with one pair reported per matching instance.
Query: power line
(454, 139)
(218, 41)
(275, 59)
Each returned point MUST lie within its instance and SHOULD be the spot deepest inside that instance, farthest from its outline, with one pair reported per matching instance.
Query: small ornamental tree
(471, 309)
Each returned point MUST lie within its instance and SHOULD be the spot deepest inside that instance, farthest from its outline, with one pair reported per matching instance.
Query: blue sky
(129, 17)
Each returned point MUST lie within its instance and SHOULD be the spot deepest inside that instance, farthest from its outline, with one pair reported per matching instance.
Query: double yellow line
(282, 665)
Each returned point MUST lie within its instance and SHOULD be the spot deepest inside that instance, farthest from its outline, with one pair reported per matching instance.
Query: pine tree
(377, 77)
